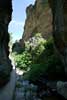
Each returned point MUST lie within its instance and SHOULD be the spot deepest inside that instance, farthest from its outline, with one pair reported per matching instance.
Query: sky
(16, 26)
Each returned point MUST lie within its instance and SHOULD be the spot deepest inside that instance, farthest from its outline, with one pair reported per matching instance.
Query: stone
(25, 83)
(38, 20)
(62, 88)
(5, 63)
(27, 91)
(59, 11)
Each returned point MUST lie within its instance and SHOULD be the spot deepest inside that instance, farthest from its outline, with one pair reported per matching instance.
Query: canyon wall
(38, 20)
(5, 63)
(59, 11)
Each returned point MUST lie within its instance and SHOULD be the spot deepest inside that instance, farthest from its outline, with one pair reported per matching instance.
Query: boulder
(62, 88)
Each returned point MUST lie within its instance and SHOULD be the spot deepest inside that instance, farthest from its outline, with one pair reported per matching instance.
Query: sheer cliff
(38, 20)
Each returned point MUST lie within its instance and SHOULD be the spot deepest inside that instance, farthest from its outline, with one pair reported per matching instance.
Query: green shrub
(47, 63)
(39, 57)
(35, 46)
(23, 60)
(52, 67)
(35, 72)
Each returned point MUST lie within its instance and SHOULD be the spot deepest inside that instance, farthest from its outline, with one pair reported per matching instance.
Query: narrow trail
(24, 90)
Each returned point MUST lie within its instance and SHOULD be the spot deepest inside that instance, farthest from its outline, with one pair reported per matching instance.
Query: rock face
(5, 63)
(62, 88)
(65, 19)
(39, 19)
(59, 11)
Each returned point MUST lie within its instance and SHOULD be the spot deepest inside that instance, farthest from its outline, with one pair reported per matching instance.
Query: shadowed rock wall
(59, 11)
(5, 18)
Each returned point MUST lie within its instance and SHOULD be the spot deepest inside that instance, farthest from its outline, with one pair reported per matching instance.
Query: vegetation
(39, 59)
(23, 60)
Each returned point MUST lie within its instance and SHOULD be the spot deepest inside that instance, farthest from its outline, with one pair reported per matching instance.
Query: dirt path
(24, 90)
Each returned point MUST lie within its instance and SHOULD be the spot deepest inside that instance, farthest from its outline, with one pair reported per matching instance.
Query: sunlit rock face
(38, 19)
(5, 18)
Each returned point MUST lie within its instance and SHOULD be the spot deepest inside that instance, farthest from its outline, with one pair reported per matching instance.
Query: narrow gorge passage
(24, 90)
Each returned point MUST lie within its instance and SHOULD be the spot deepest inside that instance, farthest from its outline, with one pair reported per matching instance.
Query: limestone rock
(59, 11)
(62, 88)
(39, 20)
(5, 63)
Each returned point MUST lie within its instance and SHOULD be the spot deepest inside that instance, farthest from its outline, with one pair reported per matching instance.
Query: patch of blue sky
(16, 26)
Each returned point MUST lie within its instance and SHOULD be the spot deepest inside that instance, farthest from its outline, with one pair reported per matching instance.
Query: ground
(24, 90)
